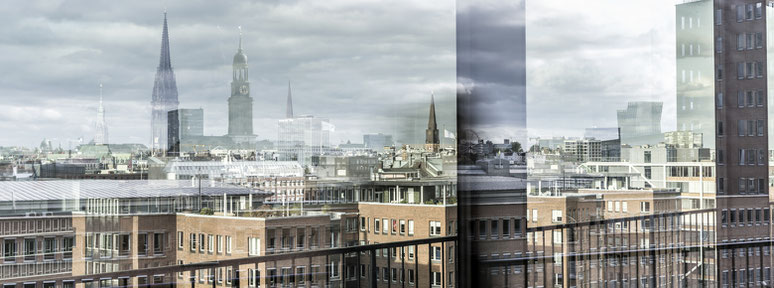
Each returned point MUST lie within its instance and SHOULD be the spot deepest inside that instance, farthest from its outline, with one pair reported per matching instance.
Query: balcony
(333, 267)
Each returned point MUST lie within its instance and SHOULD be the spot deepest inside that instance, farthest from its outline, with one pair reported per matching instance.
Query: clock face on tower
(243, 90)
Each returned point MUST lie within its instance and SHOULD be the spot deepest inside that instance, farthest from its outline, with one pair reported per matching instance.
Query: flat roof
(100, 189)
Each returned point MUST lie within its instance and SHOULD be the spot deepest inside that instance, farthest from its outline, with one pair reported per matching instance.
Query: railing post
(235, 276)
(192, 277)
(373, 267)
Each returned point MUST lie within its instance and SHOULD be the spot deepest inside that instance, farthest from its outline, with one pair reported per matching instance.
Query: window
(625, 206)
(557, 236)
(720, 128)
(436, 256)
(142, 244)
(719, 44)
(220, 243)
(758, 69)
(534, 215)
(362, 223)
(739, 13)
(758, 10)
(435, 228)
(759, 127)
(402, 227)
(377, 225)
(758, 40)
(644, 207)
(158, 243)
(228, 244)
(385, 226)
(411, 276)
(494, 230)
(556, 216)
(506, 228)
(411, 252)
(437, 278)
(720, 100)
(718, 16)
(210, 243)
(394, 226)
(719, 71)
(254, 246)
(201, 242)
(609, 206)
(411, 227)
(740, 70)
(741, 127)
(749, 14)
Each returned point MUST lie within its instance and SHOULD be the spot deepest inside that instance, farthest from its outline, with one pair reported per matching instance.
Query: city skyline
(202, 74)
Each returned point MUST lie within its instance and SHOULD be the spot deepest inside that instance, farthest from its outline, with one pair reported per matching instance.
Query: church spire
(431, 124)
(165, 62)
(289, 107)
(164, 96)
(432, 140)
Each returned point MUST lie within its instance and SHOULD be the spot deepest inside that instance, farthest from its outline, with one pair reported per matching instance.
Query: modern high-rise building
(100, 127)
(240, 104)
(184, 124)
(640, 123)
(730, 109)
(164, 94)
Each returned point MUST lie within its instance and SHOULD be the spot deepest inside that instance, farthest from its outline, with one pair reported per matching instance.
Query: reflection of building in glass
(377, 141)
(240, 104)
(602, 133)
(582, 150)
(164, 94)
(695, 82)
(182, 125)
(684, 139)
(640, 123)
(302, 137)
(101, 130)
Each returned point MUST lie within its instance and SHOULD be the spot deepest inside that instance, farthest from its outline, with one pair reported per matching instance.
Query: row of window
(498, 228)
(749, 70)
(31, 247)
(206, 242)
(108, 245)
(745, 185)
(36, 226)
(752, 276)
(748, 216)
(396, 226)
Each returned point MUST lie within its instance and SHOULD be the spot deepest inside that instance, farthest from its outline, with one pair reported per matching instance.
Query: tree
(516, 147)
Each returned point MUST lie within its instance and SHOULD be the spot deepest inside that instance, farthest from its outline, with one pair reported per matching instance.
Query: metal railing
(171, 276)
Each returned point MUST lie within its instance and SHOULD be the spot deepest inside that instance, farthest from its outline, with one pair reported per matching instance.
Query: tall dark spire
(431, 124)
(289, 105)
(164, 93)
(165, 62)
(432, 140)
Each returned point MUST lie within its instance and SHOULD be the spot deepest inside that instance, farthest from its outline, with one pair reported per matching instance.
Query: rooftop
(91, 189)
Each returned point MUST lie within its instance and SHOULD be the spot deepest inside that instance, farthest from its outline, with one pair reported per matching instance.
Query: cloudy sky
(586, 59)
(369, 66)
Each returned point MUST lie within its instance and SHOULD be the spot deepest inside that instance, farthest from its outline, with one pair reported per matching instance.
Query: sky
(369, 66)
(587, 59)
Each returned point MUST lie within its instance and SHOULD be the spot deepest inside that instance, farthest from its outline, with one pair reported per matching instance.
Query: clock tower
(240, 104)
